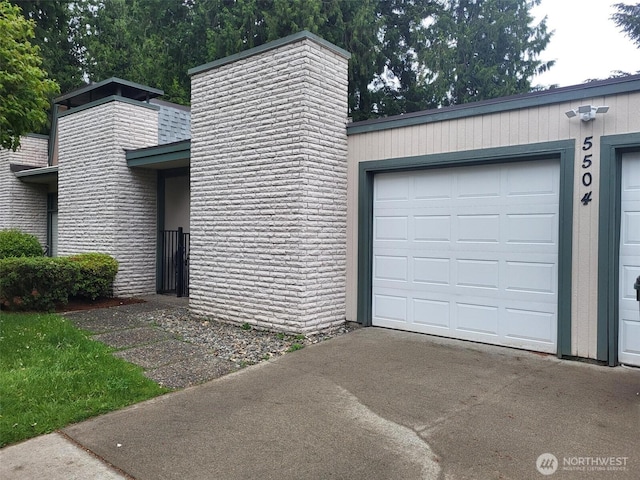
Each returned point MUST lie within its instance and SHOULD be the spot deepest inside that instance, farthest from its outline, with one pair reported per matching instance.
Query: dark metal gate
(173, 272)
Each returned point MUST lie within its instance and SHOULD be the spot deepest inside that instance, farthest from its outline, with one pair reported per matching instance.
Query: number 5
(587, 143)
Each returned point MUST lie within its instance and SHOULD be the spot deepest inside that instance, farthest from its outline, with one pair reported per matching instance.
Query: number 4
(586, 198)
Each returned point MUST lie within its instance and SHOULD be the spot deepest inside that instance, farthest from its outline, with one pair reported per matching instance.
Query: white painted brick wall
(268, 189)
(23, 205)
(103, 205)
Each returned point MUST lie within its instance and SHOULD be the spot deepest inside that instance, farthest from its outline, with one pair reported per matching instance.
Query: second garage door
(469, 252)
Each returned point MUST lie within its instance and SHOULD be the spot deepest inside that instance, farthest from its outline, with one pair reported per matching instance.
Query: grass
(52, 374)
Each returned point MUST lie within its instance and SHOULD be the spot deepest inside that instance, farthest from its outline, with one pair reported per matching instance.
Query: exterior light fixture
(586, 112)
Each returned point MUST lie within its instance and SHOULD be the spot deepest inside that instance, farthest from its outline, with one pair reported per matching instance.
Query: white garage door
(629, 328)
(469, 252)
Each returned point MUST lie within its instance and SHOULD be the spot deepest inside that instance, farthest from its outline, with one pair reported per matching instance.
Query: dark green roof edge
(503, 104)
(112, 98)
(34, 172)
(296, 37)
(159, 154)
(95, 86)
(37, 135)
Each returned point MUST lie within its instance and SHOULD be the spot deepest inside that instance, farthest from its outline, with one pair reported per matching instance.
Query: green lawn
(52, 374)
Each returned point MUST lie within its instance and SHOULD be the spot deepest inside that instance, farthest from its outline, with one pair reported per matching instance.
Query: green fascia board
(102, 101)
(37, 135)
(503, 104)
(159, 154)
(54, 135)
(296, 37)
(116, 80)
(611, 149)
(564, 150)
(35, 172)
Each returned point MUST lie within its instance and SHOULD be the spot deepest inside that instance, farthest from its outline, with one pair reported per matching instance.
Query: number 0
(586, 179)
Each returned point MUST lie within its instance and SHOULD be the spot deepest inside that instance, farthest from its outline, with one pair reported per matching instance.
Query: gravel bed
(232, 342)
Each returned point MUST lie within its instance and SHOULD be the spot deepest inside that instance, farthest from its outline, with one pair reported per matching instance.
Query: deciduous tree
(25, 89)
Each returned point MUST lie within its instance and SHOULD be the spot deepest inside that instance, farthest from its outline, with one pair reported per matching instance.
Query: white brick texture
(104, 206)
(268, 189)
(24, 205)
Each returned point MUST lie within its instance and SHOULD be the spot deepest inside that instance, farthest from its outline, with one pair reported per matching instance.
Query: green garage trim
(611, 149)
(563, 150)
(613, 86)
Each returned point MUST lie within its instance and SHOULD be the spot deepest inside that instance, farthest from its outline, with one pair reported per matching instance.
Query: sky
(586, 43)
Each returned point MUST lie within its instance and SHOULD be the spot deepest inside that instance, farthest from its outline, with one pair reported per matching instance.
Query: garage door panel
(392, 228)
(477, 318)
(432, 228)
(480, 263)
(478, 228)
(529, 180)
(478, 273)
(484, 183)
(438, 186)
(432, 270)
(394, 268)
(431, 313)
(390, 307)
(394, 188)
(530, 325)
(531, 277)
(631, 175)
(629, 275)
(630, 327)
(531, 228)
(629, 266)
(631, 231)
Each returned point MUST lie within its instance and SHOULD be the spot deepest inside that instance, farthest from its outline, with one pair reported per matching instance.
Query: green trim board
(102, 101)
(54, 136)
(503, 104)
(296, 37)
(37, 135)
(159, 154)
(41, 175)
(563, 150)
(113, 82)
(611, 149)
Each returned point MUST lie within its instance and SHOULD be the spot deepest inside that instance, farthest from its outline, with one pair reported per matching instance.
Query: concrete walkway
(373, 404)
(165, 358)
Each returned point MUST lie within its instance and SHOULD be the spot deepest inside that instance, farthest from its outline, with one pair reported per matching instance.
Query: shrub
(97, 271)
(36, 283)
(14, 243)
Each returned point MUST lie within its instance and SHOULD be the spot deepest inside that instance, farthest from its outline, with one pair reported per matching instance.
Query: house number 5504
(586, 165)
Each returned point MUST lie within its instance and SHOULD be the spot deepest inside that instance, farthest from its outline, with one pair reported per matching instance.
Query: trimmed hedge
(36, 283)
(14, 243)
(41, 283)
(97, 272)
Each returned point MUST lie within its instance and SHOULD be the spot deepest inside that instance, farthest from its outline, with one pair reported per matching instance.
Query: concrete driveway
(382, 404)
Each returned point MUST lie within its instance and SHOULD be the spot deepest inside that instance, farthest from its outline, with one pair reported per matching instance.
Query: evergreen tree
(407, 55)
(628, 19)
(481, 49)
